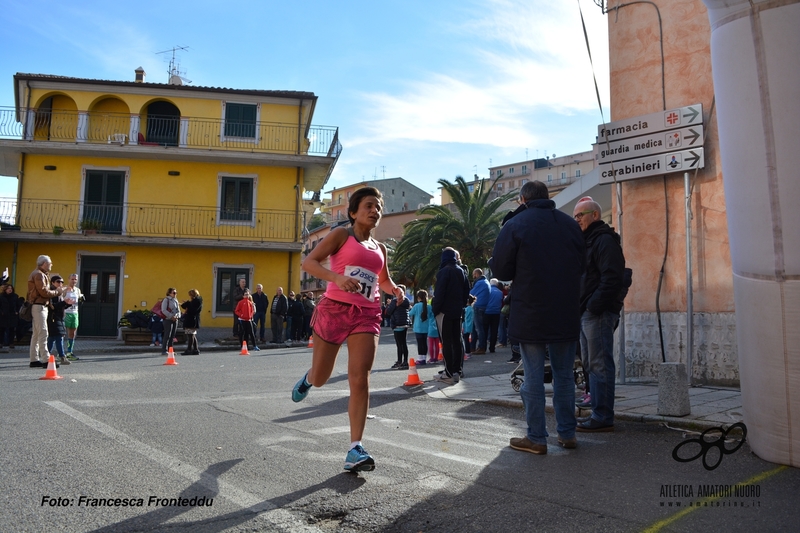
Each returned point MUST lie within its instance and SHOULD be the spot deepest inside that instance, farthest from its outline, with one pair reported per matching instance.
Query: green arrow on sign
(693, 114)
(693, 137)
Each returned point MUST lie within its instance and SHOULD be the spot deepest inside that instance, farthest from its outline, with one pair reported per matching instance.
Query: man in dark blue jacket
(481, 290)
(600, 306)
(542, 250)
(449, 298)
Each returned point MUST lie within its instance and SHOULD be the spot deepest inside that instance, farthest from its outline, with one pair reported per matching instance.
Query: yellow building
(139, 186)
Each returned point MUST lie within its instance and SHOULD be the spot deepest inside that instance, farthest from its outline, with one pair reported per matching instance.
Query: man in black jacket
(278, 310)
(449, 299)
(542, 250)
(600, 306)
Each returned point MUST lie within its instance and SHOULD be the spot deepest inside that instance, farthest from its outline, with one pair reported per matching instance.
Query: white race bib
(367, 279)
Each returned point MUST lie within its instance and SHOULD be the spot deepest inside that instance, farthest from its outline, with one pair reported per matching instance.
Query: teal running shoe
(301, 388)
(358, 460)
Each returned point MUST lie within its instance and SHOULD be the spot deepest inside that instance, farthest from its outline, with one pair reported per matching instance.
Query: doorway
(99, 283)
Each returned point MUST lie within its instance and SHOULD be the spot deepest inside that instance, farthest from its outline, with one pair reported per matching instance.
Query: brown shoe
(478, 352)
(569, 444)
(524, 444)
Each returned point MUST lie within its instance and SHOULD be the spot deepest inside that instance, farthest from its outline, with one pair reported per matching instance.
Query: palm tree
(470, 225)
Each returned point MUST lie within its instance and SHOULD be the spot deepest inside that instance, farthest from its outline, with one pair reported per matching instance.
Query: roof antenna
(175, 74)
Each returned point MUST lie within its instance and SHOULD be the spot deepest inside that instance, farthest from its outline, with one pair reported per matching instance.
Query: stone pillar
(754, 49)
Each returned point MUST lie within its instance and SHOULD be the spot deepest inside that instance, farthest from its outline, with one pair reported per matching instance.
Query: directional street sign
(654, 165)
(655, 143)
(652, 123)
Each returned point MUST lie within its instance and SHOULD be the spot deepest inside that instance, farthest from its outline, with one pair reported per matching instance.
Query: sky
(418, 89)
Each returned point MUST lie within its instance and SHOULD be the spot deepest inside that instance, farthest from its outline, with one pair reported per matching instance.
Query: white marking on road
(440, 455)
(331, 431)
(276, 516)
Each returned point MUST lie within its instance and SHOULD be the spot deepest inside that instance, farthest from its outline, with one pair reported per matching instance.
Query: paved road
(222, 427)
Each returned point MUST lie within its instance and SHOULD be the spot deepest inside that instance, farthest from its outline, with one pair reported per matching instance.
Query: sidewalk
(635, 402)
(710, 406)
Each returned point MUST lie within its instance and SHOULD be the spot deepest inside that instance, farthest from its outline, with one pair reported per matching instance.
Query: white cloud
(532, 61)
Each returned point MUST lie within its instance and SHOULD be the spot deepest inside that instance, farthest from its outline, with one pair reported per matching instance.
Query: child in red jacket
(245, 310)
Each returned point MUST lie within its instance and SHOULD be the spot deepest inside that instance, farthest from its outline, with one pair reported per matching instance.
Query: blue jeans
(502, 333)
(562, 360)
(260, 320)
(57, 342)
(479, 343)
(597, 350)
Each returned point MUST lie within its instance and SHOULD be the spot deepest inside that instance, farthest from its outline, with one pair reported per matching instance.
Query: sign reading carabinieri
(627, 149)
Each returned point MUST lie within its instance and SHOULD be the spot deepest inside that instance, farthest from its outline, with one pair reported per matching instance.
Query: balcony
(315, 148)
(60, 221)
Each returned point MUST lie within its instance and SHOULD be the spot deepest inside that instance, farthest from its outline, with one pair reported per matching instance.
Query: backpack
(156, 309)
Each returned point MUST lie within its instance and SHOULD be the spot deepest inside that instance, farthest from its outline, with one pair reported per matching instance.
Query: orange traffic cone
(441, 356)
(244, 349)
(311, 341)
(413, 377)
(51, 372)
(171, 357)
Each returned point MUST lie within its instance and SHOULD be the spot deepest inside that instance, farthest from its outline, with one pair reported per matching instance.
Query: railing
(146, 220)
(155, 130)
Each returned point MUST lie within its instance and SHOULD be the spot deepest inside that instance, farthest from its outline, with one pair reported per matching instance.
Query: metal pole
(689, 310)
(621, 311)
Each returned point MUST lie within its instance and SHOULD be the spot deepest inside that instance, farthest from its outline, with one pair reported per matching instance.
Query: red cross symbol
(672, 118)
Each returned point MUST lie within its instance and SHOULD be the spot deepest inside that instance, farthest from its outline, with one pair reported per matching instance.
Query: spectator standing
(71, 320)
(308, 312)
(492, 316)
(55, 321)
(398, 318)
(236, 297)
(434, 342)
(9, 315)
(260, 318)
(191, 321)
(39, 295)
(295, 317)
(244, 312)
(600, 304)
(481, 291)
(542, 250)
(278, 310)
(420, 316)
(467, 325)
(449, 299)
(172, 312)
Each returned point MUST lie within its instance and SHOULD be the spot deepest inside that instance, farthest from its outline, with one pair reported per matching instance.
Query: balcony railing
(155, 130)
(147, 220)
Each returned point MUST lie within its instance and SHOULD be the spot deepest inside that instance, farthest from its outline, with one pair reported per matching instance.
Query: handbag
(26, 311)
(506, 309)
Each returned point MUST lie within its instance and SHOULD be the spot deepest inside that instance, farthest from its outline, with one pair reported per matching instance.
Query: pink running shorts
(334, 321)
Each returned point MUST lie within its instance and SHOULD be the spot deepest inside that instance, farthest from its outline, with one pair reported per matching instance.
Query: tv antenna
(176, 76)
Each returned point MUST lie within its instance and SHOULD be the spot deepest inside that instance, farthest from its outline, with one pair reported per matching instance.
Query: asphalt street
(124, 443)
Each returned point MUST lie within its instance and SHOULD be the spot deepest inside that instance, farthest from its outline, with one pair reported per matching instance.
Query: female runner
(350, 310)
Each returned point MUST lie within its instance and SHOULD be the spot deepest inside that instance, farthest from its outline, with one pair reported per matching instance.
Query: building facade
(140, 186)
(398, 196)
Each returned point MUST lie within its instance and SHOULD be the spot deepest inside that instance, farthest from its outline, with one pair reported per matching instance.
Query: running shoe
(301, 388)
(358, 460)
(585, 401)
(420, 362)
(72, 357)
(403, 366)
(256, 348)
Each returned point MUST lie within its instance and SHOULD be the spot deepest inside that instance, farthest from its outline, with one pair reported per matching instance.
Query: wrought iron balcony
(153, 130)
(148, 221)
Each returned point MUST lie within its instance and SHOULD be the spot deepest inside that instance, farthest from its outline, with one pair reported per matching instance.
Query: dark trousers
(402, 345)
(170, 329)
(297, 327)
(466, 342)
(246, 332)
(452, 350)
(235, 326)
(260, 321)
(491, 323)
(307, 326)
(422, 343)
(277, 327)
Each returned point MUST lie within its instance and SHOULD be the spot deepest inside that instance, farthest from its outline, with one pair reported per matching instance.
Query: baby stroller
(518, 374)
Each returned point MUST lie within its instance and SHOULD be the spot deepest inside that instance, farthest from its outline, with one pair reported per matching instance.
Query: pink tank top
(356, 260)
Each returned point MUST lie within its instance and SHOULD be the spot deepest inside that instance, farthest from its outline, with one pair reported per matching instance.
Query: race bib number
(367, 279)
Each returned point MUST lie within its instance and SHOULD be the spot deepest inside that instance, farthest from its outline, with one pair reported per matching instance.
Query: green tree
(470, 225)
(316, 221)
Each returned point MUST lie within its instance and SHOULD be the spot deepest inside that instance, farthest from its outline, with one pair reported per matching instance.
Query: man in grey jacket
(278, 310)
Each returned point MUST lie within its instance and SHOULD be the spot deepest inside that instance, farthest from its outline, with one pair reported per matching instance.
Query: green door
(99, 284)
(103, 201)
